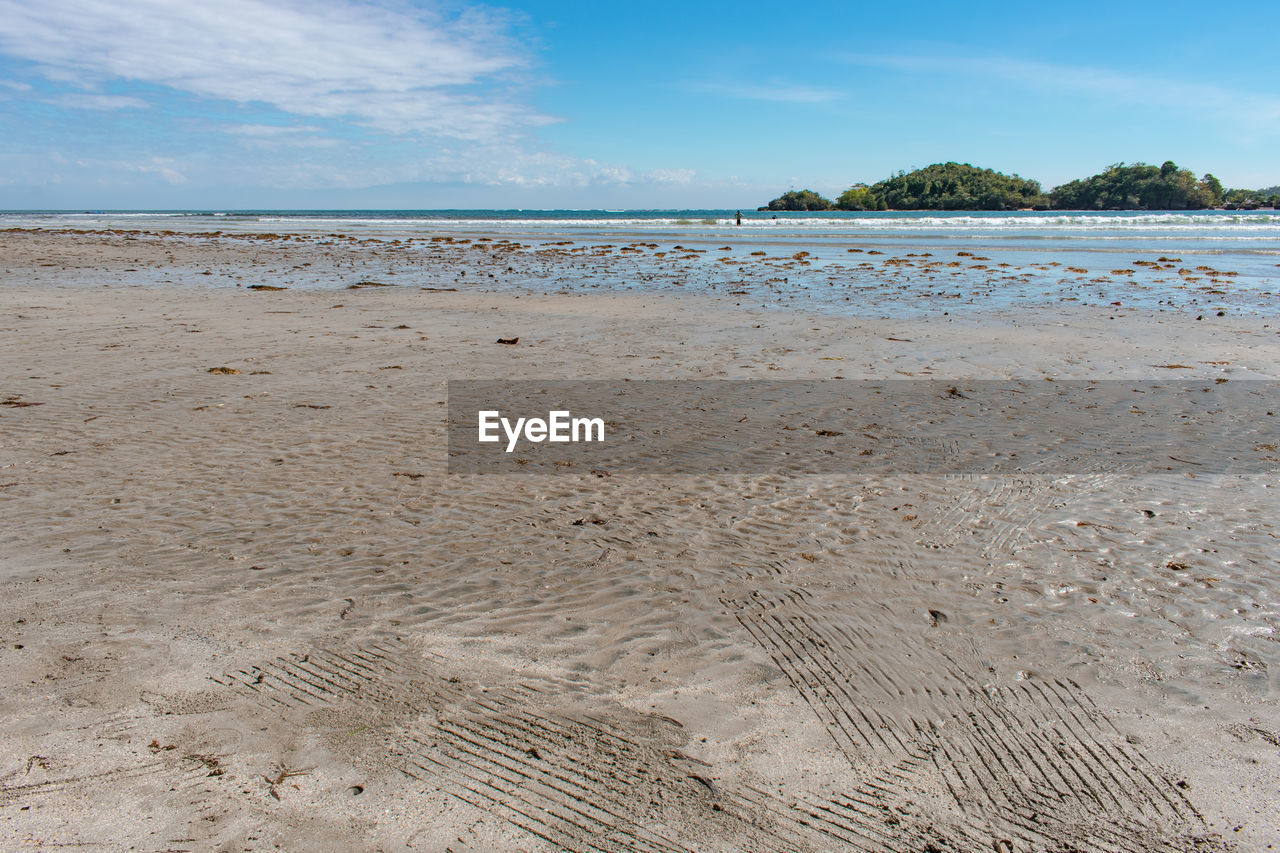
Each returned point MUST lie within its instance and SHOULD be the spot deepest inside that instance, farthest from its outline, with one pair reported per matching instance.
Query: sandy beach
(246, 606)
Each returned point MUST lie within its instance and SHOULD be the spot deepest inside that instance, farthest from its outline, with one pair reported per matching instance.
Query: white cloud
(480, 166)
(362, 93)
(672, 176)
(391, 68)
(781, 93)
(98, 102)
(163, 167)
(271, 137)
(266, 130)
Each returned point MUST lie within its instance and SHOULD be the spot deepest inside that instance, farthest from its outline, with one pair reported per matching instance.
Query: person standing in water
(739, 217)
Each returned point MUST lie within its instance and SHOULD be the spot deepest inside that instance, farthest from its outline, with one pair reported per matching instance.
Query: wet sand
(246, 607)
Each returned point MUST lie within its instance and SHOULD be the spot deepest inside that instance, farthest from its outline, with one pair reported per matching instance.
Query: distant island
(960, 186)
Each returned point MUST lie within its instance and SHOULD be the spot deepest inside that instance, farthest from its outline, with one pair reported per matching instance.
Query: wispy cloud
(333, 165)
(266, 130)
(780, 93)
(98, 102)
(525, 170)
(163, 167)
(1114, 86)
(672, 176)
(271, 137)
(395, 69)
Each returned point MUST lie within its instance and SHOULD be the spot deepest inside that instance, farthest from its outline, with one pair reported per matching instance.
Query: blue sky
(336, 103)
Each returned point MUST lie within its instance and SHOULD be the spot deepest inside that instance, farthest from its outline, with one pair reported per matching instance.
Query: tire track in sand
(1036, 762)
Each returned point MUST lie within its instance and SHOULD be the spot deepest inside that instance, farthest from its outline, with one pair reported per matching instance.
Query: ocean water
(1149, 226)
(1186, 258)
(1240, 233)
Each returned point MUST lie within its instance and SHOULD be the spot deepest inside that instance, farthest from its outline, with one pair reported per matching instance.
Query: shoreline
(243, 595)
(827, 277)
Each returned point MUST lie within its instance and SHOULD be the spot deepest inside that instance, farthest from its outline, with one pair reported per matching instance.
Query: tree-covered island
(947, 186)
(960, 186)
(799, 200)
(1139, 187)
